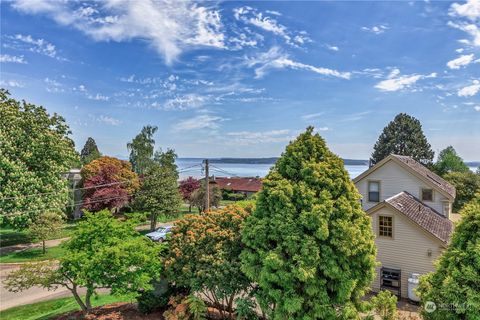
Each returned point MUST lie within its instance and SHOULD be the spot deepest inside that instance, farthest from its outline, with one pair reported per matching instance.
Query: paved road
(36, 294)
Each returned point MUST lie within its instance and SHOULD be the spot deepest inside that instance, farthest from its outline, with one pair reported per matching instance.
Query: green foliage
(47, 225)
(235, 196)
(32, 163)
(245, 309)
(141, 149)
(89, 152)
(151, 300)
(449, 161)
(101, 254)
(403, 136)
(308, 244)
(204, 255)
(159, 194)
(385, 305)
(466, 185)
(197, 198)
(185, 308)
(455, 285)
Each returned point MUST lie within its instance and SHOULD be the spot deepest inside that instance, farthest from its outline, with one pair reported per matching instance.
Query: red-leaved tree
(186, 187)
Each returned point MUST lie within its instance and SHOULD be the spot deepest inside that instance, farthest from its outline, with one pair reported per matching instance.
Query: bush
(236, 196)
(151, 300)
(185, 308)
(385, 305)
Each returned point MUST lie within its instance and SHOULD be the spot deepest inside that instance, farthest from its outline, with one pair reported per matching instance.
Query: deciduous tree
(103, 253)
(109, 183)
(455, 285)
(89, 152)
(186, 187)
(47, 225)
(198, 197)
(309, 245)
(141, 149)
(466, 184)
(403, 136)
(205, 256)
(35, 152)
(449, 161)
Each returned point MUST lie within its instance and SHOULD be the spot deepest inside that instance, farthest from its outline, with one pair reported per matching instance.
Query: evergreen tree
(455, 286)
(403, 136)
(309, 245)
(89, 152)
(449, 161)
(141, 149)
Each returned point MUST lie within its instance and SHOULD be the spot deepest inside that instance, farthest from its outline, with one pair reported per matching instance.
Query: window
(385, 226)
(427, 194)
(373, 191)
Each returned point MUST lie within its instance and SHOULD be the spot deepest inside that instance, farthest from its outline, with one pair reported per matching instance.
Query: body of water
(193, 167)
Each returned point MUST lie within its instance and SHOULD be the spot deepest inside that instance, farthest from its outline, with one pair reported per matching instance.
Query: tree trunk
(88, 296)
(190, 208)
(43, 246)
(77, 298)
(153, 221)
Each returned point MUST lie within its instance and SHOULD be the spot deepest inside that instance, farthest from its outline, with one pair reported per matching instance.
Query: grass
(48, 309)
(33, 254)
(11, 237)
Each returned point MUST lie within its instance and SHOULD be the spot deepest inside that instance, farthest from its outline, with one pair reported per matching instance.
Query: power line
(224, 171)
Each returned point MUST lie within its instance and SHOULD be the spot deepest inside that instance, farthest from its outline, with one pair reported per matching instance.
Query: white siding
(393, 180)
(407, 251)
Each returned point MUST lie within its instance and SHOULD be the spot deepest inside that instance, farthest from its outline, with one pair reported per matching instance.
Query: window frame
(391, 226)
(421, 194)
(368, 190)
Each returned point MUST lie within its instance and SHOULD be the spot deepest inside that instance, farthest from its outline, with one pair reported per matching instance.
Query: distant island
(271, 160)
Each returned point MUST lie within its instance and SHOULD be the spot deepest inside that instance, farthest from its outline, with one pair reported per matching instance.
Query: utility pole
(207, 187)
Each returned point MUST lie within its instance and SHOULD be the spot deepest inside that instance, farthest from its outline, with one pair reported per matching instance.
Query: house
(245, 185)
(411, 209)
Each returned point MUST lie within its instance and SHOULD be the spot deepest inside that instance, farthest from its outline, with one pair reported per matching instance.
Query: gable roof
(239, 184)
(416, 168)
(424, 216)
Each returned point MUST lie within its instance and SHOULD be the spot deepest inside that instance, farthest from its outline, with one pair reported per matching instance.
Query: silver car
(160, 234)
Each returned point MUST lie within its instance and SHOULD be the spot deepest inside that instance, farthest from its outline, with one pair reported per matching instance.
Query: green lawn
(11, 237)
(51, 308)
(34, 254)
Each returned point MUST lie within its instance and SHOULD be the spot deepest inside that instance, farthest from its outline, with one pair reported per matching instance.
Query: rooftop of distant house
(246, 184)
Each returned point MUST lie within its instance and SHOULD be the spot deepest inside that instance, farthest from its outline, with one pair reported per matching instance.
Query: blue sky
(241, 79)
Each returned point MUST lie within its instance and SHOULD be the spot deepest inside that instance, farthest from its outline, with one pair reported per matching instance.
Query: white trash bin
(412, 285)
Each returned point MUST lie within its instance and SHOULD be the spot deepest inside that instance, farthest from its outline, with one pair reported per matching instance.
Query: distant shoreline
(270, 160)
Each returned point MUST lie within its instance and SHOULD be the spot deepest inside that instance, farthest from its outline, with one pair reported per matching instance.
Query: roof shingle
(426, 217)
(239, 184)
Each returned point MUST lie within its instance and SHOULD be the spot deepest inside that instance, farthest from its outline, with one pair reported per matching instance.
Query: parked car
(160, 234)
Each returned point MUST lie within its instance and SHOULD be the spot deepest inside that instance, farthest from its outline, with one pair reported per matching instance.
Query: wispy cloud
(276, 59)
(109, 120)
(376, 29)
(333, 48)
(313, 115)
(469, 9)
(185, 102)
(169, 26)
(252, 137)
(27, 42)
(396, 82)
(11, 83)
(471, 90)
(461, 61)
(98, 97)
(203, 121)
(12, 59)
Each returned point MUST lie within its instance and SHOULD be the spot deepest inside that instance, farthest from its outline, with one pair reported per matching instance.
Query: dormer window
(427, 194)
(373, 191)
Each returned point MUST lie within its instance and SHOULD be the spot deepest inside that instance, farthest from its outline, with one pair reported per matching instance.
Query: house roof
(426, 217)
(417, 168)
(239, 183)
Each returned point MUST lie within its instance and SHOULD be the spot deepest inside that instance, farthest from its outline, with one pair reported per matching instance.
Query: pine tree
(403, 136)
(309, 245)
(455, 286)
(89, 152)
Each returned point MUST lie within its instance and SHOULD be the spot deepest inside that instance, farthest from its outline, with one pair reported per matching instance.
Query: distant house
(245, 185)
(74, 178)
(411, 209)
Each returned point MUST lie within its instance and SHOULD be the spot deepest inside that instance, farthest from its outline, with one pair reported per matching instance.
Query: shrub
(185, 308)
(385, 305)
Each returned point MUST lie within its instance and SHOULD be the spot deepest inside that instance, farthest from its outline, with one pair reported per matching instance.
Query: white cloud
(109, 120)
(461, 61)
(472, 29)
(470, 90)
(169, 26)
(11, 83)
(185, 102)
(333, 48)
(37, 45)
(276, 59)
(470, 9)
(98, 97)
(376, 29)
(203, 121)
(396, 82)
(251, 16)
(12, 59)
(477, 108)
(312, 115)
(251, 137)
